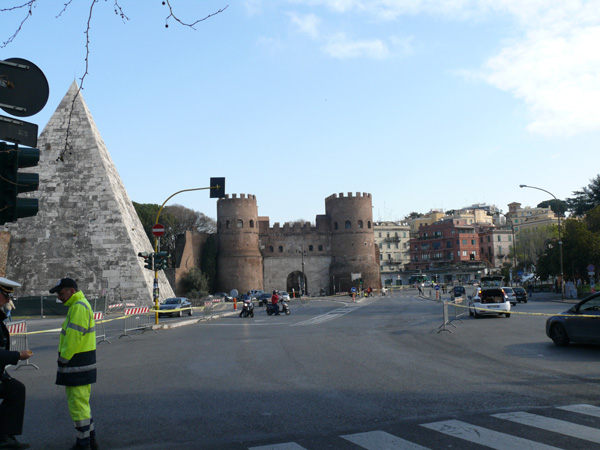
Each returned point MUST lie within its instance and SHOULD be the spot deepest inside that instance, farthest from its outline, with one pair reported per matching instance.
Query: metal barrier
(99, 315)
(459, 309)
(18, 340)
(208, 309)
(447, 322)
(136, 319)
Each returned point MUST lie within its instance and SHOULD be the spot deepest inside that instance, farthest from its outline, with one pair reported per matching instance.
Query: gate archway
(296, 281)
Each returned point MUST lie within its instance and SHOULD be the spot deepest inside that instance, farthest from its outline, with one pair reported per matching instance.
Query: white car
(284, 295)
(512, 297)
(489, 301)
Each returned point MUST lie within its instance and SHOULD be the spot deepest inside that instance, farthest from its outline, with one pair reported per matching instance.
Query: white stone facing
(86, 227)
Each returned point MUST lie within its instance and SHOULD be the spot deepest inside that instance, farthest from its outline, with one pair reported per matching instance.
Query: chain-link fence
(49, 305)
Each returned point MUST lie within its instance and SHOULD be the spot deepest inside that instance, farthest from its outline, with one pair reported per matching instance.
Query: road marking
(483, 436)
(286, 446)
(554, 425)
(378, 440)
(582, 409)
(339, 312)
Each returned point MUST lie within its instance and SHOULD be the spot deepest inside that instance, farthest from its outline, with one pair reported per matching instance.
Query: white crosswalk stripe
(378, 440)
(483, 436)
(557, 426)
(476, 434)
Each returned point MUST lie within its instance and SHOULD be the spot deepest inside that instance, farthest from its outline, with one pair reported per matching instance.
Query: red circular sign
(158, 230)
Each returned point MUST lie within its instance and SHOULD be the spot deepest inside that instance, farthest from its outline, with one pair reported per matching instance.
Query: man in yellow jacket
(77, 360)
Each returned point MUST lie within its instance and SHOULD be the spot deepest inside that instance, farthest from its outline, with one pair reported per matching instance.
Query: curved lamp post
(562, 291)
(514, 243)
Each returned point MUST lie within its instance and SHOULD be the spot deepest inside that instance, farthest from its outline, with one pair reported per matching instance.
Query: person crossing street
(77, 360)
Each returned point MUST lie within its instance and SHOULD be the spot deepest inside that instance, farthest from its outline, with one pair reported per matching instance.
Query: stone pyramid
(86, 227)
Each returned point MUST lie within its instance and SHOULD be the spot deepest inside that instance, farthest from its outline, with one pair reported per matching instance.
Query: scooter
(247, 309)
(274, 309)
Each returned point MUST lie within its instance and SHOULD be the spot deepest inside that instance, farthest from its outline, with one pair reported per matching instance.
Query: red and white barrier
(116, 305)
(98, 315)
(18, 340)
(17, 327)
(139, 310)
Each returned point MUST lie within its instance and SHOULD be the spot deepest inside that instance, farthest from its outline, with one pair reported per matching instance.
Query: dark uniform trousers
(12, 409)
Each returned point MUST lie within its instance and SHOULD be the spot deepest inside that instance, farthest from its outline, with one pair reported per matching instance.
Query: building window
(348, 224)
(335, 225)
(360, 224)
(310, 248)
(464, 253)
(380, 234)
(473, 242)
(369, 224)
(252, 224)
(404, 234)
(397, 246)
(280, 249)
(388, 245)
(240, 223)
(380, 245)
(499, 238)
(228, 224)
(320, 248)
(271, 248)
(464, 242)
(380, 257)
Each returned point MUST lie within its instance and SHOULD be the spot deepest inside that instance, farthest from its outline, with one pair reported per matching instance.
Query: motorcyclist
(274, 300)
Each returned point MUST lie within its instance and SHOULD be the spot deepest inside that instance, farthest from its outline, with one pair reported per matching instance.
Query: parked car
(224, 296)
(511, 294)
(284, 295)
(265, 298)
(489, 301)
(581, 323)
(458, 291)
(521, 294)
(255, 293)
(164, 309)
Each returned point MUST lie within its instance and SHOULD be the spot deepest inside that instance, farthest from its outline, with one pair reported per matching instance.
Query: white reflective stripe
(63, 360)
(82, 434)
(377, 440)
(286, 446)
(76, 369)
(76, 327)
(83, 422)
(554, 425)
(483, 436)
(589, 410)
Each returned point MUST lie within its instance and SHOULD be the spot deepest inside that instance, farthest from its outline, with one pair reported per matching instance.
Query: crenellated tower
(239, 262)
(352, 240)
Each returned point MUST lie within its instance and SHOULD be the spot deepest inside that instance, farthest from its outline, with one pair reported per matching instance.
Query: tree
(532, 243)
(208, 262)
(557, 206)
(413, 215)
(585, 199)
(194, 283)
(28, 6)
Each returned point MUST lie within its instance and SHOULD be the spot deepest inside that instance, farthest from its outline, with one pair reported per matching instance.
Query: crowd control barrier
(136, 319)
(18, 340)
(208, 309)
(99, 315)
(459, 308)
(444, 326)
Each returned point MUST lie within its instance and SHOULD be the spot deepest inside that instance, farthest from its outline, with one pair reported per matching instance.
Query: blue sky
(422, 103)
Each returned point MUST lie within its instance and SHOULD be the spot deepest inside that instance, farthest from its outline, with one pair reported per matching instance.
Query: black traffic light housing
(148, 259)
(217, 187)
(161, 260)
(472, 257)
(13, 182)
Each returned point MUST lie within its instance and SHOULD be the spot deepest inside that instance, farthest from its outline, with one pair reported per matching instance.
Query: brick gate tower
(352, 241)
(239, 263)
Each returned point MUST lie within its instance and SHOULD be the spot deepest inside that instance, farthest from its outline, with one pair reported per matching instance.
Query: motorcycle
(247, 309)
(274, 309)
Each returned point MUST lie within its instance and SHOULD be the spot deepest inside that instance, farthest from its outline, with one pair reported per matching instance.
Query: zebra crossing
(579, 429)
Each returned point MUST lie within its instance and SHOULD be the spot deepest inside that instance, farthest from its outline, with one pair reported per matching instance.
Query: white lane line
(589, 410)
(286, 446)
(378, 440)
(483, 436)
(554, 425)
(333, 314)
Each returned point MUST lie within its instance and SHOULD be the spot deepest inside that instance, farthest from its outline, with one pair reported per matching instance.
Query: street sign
(353, 289)
(158, 230)
(591, 268)
(437, 287)
(23, 87)
(18, 131)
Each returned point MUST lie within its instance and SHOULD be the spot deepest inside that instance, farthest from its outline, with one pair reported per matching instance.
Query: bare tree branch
(191, 25)
(29, 5)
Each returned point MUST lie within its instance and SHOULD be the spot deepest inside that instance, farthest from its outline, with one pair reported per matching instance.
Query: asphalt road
(328, 370)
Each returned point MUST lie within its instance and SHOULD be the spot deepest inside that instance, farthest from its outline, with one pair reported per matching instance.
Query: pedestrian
(12, 392)
(420, 289)
(274, 300)
(9, 307)
(77, 360)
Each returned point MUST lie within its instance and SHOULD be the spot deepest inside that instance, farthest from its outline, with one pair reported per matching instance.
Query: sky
(424, 104)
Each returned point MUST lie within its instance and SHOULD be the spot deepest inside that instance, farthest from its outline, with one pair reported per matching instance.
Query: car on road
(511, 294)
(580, 323)
(255, 293)
(223, 296)
(489, 301)
(173, 307)
(521, 294)
(265, 298)
(283, 295)
(458, 291)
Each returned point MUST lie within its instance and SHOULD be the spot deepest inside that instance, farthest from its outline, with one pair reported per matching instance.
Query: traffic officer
(77, 360)
(12, 392)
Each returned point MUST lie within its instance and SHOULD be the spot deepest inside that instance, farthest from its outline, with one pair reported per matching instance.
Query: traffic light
(217, 187)
(148, 259)
(161, 260)
(13, 182)
(472, 257)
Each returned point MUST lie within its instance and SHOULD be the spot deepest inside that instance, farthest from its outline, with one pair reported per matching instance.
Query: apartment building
(392, 238)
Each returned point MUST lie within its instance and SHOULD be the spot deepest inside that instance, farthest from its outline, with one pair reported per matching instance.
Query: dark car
(223, 296)
(264, 298)
(458, 291)
(520, 294)
(581, 323)
(173, 307)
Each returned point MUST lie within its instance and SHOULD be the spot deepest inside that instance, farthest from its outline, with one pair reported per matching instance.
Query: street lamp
(562, 291)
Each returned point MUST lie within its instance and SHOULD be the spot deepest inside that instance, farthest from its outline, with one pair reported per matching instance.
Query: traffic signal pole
(219, 188)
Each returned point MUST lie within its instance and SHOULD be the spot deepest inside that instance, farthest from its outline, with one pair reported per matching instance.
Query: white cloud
(306, 24)
(339, 46)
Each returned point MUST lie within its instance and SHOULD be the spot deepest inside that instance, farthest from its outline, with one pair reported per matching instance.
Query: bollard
(234, 303)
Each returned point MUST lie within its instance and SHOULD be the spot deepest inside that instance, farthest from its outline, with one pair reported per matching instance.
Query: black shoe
(94, 444)
(11, 442)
